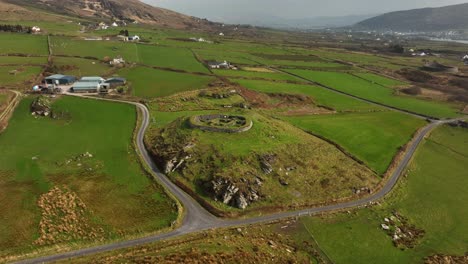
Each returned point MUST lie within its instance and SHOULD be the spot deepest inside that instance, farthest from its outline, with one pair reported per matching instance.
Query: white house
(133, 38)
(117, 61)
(103, 26)
(36, 29)
(465, 59)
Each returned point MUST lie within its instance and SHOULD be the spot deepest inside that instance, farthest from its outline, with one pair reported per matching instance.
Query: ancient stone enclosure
(221, 123)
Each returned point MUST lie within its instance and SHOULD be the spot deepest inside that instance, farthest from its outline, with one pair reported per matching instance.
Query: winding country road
(197, 219)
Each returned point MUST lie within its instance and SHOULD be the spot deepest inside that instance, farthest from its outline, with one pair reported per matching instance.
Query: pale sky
(219, 9)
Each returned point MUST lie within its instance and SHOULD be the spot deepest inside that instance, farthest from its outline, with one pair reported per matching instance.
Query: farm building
(92, 79)
(88, 85)
(36, 29)
(132, 38)
(219, 65)
(59, 79)
(85, 87)
(116, 81)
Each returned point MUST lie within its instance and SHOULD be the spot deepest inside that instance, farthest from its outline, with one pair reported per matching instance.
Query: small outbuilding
(465, 59)
(116, 82)
(59, 79)
(219, 65)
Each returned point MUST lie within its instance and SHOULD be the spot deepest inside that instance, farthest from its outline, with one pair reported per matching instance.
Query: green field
(372, 137)
(235, 57)
(169, 57)
(151, 83)
(433, 197)
(14, 60)
(23, 44)
(95, 49)
(364, 89)
(320, 95)
(7, 77)
(253, 74)
(390, 83)
(46, 153)
(81, 67)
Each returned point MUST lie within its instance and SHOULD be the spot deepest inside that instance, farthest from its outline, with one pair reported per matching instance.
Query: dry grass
(65, 217)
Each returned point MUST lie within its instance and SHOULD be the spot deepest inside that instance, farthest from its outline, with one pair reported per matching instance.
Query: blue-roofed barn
(60, 79)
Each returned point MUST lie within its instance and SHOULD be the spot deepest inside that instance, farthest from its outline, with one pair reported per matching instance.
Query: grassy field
(151, 83)
(81, 67)
(7, 77)
(235, 57)
(321, 96)
(23, 44)
(390, 83)
(49, 153)
(364, 89)
(169, 57)
(253, 74)
(372, 137)
(13, 60)
(432, 197)
(94, 49)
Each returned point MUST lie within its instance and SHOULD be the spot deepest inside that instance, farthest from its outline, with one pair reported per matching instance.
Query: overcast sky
(220, 9)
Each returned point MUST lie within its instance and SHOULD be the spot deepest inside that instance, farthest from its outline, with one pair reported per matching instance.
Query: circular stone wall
(221, 123)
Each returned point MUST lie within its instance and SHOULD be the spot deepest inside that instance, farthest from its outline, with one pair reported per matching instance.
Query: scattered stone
(385, 227)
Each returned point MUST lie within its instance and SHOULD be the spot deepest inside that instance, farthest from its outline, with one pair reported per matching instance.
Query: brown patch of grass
(65, 218)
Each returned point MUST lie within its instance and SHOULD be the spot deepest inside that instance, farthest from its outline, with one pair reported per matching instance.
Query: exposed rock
(385, 227)
(266, 162)
(236, 194)
(41, 106)
(444, 259)
(241, 202)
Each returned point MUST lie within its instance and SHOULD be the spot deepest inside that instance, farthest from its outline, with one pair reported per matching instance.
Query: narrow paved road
(197, 219)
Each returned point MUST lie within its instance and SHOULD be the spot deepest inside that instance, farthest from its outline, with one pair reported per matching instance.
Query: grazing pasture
(374, 138)
(150, 83)
(170, 57)
(97, 49)
(320, 95)
(16, 75)
(14, 60)
(81, 67)
(119, 196)
(23, 44)
(432, 197)
(256, 75)
(365, 89)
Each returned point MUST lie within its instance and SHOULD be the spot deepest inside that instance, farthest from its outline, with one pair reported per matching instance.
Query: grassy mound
(302, 169)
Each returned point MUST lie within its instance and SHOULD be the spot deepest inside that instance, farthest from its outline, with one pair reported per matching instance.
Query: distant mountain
(426, 19)
(264, 20)
(127, 10)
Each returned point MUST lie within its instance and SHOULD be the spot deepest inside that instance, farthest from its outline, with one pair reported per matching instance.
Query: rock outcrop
(41, 106)
(236, 194)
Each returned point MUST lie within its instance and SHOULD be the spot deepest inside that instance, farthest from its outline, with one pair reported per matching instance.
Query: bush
(412, 91)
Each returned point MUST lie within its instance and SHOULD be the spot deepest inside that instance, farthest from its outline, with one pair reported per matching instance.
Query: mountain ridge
(126, 10)
(453, 17)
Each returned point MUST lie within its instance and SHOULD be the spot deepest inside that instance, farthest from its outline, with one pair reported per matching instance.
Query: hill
(125, 10)
(426, 19)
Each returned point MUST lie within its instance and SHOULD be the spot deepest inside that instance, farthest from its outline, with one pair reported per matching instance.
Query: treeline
(15, 29)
